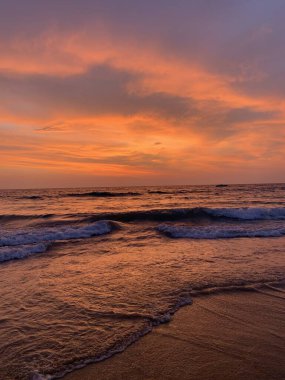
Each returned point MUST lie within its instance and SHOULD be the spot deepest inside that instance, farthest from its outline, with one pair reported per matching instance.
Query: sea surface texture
(86, 272)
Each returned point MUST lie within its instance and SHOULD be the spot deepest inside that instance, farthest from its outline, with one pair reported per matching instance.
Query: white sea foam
(249, 213)
(41, 235)
(38, 376)
(12, 253)
(219, 232)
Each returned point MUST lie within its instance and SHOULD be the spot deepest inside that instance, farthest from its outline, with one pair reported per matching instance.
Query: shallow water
(84, 272)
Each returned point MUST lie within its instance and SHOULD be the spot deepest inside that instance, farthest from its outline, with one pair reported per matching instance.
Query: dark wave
(14, 217)
(159, 192)
(32, 197)
(103, 194)
(106, 194)
(277, 213)
(151, 215)
(171, 192)
(246, 214)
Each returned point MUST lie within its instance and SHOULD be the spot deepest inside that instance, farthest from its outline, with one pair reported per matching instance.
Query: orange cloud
(152, 114)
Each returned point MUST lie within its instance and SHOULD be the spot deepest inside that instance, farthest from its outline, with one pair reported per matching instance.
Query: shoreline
(237, 334)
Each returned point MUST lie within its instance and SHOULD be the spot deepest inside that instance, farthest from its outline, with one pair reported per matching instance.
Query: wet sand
(231, 336)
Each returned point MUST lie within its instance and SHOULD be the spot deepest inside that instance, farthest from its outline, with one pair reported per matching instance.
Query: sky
(131, 92)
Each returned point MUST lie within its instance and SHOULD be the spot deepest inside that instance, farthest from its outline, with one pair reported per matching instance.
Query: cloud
(172, 90)
(101, 90)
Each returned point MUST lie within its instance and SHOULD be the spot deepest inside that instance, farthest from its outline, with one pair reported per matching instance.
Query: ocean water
(86, 272)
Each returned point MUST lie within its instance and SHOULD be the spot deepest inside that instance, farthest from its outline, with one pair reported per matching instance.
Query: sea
(85, 272)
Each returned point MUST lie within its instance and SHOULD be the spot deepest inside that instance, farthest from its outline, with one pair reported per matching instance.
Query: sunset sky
(132, 92)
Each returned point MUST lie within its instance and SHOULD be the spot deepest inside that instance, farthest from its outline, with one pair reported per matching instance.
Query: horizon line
(128, 186)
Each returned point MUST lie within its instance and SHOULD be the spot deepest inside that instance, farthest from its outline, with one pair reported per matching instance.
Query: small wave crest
(16, 253)
(219, 232)
(56, 233)
(249, 213)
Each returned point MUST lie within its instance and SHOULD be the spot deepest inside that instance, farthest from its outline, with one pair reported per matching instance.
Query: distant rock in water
(221, 185)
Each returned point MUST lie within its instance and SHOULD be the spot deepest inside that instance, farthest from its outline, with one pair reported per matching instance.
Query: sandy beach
(233, 336)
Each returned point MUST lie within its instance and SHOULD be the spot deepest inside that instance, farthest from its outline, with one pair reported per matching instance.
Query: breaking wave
(218, 232)
(56, 233)
(245, 213)
(14, 253)
(249, 213)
